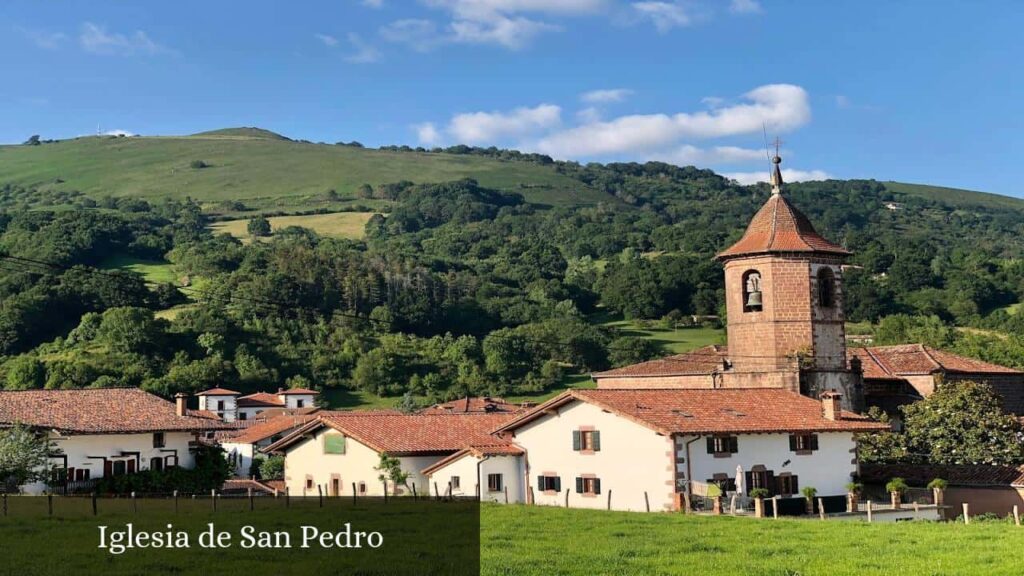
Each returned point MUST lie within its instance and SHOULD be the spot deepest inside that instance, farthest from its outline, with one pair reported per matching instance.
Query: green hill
(262, 169)
(955, 196)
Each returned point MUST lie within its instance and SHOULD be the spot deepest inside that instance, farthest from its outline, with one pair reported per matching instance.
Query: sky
(913, 91)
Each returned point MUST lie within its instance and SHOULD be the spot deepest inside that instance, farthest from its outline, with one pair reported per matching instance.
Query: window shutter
(711, 444)
(540, 483)
(597, 485)
(597, 440)
(734, 444)
(795, 485)
(770, 481)
(558, 483)
(576, 440)
(814, 442)
(579, 485)
(750, 481)
(792, 442)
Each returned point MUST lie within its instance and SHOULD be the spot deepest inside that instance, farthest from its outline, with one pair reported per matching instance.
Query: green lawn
(673, 341)
(262, 171)
(152, 270)
(541, 540)
(338, 225)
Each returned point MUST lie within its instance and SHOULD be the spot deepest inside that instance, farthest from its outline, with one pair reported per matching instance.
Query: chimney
(830, 405)
(179, 404)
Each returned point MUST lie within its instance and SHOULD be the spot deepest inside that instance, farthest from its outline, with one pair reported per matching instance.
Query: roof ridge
(928, 355)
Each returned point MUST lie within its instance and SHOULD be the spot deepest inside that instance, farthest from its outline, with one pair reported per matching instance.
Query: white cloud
(664, 15)
(373, 3)
(95, 38)
(788, 175)
(779, 106)
(513, 33)
(482, 127)
(690, 154)
(119, 133)
(589, 115)
(427, 134)
(44, 39)
(744, 6)
(606, 95)
(326, 39)
(420, 35)
(364, 52)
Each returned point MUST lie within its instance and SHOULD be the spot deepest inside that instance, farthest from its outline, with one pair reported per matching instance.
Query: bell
(754, 299)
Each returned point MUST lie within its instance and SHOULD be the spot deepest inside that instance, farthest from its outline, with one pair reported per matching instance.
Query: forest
(459, 289)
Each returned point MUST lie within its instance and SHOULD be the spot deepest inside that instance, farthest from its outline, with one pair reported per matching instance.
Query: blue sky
(914, 91)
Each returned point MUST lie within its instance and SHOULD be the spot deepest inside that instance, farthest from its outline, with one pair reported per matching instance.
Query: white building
(106, 431)
(340, 451)
(220, 401)
(489, 470)
(230, 405)
(246, 445)
(633, 449)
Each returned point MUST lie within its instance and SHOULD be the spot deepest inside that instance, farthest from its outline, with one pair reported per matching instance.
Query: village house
(786, 329)
(241, 446)
(340, 452)
(106, 431)
(645, 449)
(230, 405)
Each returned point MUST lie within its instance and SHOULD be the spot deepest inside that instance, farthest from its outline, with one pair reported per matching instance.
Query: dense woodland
(462, 289)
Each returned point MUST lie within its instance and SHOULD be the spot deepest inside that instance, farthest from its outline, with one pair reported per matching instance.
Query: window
(455, 482)
(723, 445)
(826, 288)
(758, 477)
(752, 294)
(803, 442)
(549, 483)
(495, 483)
(586, 440)
(120, 468)
(300, 403)
(362, 487)
(334, 444)
(787, 485)
(171, 461)
(309, 482)
(158, 440)
(588, 485)
(81, 475)
(243, 415)
(156, 464)
(220, 405)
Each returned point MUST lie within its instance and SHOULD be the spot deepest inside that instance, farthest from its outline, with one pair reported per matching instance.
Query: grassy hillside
(544, 540)
(956, 196)
(261, 169)
(338, 225)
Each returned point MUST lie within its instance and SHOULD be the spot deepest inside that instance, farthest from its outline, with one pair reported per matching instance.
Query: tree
(632, 350)
(272, 468)
(130, 329)
(33, 140)
(390, 469)
(25, 373)
(24, 456)
(259, 226)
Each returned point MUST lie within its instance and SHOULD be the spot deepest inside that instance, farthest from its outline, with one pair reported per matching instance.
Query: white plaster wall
(632, 460)
(230, 406)
(357, 464)
(251, 412)
(78, 448)
(292, 400)
(246, 451)
(828, 468)
(510, 467)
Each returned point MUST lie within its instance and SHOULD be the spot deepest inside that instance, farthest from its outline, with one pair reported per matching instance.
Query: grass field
(539, 540)
(151, 270)
(339, 225)
(262, 171)
(673, 341)
(956, 196)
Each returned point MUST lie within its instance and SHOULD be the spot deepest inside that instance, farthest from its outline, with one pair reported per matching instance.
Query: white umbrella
(739, 480)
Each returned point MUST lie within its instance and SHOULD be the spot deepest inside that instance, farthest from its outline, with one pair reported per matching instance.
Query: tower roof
(780, 227)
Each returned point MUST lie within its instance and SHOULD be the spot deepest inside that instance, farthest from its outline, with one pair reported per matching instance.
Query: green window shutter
(711, 444)
(597, 441)
(540, 483)
(734, 444)
(814, 441)
(576, 440)
(579, 485)
(792, 442)
(334, 444)
(597, 485)
(558, 483)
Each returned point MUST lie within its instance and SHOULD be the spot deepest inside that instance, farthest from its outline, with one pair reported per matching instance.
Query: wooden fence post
(213, 499)
(609, 505)
(732, 505)
(320, 494)
(566, 497)
(1016, 515)
(135, 503)
(49, 503)
(506, 494)
(449, 495)
(775, 508)
(437, 493)
(415, 496)
(967, 514)
(353, 493)
(821, 508)
(252, 503)
(530, 495)
(870, 510)
(175, 501)
(385, 491)
(94, 502)
(647, 501)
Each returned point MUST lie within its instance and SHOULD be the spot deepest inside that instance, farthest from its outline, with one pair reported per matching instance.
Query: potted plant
(853, 490)
(938, 486)
(896, 487)
(809, 493)
(759, 494)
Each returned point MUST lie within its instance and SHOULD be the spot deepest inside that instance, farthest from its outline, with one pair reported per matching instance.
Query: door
(335, 486)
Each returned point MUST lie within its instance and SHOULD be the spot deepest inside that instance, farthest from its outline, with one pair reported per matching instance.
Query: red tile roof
(473, 405)
(303, 391)
(691, 411)
(218, 392)
(259, 399)
(779, 227)
(270, 428)
(504, 449)
(97, 411)
(701, 361)
(397, 433)
(956, 475)
(895, 362)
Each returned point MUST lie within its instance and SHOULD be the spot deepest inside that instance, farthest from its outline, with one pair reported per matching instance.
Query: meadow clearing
(337, 225)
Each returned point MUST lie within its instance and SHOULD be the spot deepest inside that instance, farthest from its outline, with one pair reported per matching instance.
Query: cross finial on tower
(776, 176)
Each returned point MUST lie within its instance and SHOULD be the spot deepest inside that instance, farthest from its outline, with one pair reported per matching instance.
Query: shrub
(272, 468)
(897, 485)
(809, 492)
(938, 484)
(211, 470)
(198, 165)
(759, 493)
(854, 487)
